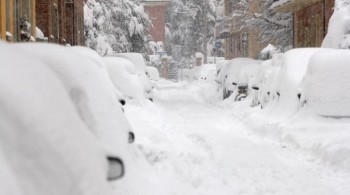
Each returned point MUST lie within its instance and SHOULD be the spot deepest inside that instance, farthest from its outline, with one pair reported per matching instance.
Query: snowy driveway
(200, 148)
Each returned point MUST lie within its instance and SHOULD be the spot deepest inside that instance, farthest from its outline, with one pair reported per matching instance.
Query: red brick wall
(43, 9)
(71, 20)
(75, 23)
(157, 16)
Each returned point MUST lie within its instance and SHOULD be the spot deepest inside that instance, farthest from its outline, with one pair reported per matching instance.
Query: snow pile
(327, 89)
(338, 29)
(39, 34)
(123, 75)
(268, 52)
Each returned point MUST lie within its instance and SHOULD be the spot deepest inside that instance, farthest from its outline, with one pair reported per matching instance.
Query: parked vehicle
(140, 66)
(228, 77)
(281, 88)
(152, 73)
(203, 72)
(245, 80)
(325, 87)
(124, 77)
(46, 147)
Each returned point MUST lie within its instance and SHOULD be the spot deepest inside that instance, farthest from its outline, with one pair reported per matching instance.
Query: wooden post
(3, 19)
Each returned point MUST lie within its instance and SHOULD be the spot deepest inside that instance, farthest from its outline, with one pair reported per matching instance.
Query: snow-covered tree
(273, 27)
(116, 26)
(186, 27)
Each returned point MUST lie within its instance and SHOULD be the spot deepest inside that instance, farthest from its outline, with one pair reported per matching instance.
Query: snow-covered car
(46, 147)
(220, 65)
(265, 83)
(228, 78)
(204, 72)
(140, 66)
(245, 80)
(124, 77)
(326, 88)
(281, 89)
(95, 100)
(153, 73)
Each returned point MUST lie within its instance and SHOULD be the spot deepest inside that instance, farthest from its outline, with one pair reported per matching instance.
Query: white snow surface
(327, 89)
(213, 147)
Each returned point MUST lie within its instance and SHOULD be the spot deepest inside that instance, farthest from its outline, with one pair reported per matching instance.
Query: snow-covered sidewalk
(203, 148)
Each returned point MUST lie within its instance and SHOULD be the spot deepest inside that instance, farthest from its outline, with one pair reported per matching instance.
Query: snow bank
(327, 89)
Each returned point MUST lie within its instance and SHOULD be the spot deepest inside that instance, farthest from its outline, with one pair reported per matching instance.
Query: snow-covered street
(202, 148)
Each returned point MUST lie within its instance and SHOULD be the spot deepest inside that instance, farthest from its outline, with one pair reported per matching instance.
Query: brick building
(156, 11)
(240, 41)
(311, 18)
(61, 21)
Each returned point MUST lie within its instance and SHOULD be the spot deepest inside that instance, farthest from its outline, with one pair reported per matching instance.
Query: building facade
(61, 21)
(156, 11)
(239, 40)
(17, 19)
(311, 18)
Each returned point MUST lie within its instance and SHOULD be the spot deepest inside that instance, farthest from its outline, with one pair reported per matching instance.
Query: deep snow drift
(230, 148)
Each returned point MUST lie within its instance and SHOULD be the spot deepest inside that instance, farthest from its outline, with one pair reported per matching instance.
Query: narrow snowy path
(207, 151)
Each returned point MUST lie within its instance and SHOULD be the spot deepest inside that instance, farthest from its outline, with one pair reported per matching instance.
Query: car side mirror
(255, 88)
(233, 83)
(131, 137)
(115, 168)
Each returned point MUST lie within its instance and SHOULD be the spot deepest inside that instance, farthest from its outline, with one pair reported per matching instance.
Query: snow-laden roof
(291, 5)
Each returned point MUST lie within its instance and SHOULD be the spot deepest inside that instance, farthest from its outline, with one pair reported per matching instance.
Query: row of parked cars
(312, 77)
(62, 127)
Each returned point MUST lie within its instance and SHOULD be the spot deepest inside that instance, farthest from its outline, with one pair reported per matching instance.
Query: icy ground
(201, 148)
